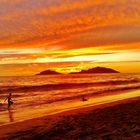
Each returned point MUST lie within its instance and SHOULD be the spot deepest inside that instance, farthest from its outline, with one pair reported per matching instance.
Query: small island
(96, 70)
(48, 72)
(89, 71)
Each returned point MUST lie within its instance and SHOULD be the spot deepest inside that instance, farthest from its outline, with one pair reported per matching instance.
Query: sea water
(29, 92)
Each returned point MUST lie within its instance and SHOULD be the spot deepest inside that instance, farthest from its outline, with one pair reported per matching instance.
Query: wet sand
(109, 121)
(13, 116)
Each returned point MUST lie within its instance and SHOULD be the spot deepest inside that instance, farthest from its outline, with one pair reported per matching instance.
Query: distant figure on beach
(9, 99)
(83, 98)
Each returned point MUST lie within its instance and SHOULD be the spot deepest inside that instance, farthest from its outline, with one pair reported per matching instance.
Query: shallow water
(33, 92)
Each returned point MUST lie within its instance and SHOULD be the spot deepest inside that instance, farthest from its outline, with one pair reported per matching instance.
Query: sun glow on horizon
(62, 34)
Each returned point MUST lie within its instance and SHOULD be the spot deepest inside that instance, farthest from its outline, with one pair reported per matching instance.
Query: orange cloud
(36, 31)
(42, 23)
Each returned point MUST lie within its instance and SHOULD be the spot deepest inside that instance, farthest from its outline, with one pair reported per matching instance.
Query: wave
(46, 87)
(86, 95)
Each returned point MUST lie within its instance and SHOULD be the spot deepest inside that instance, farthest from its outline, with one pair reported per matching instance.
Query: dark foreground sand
(117, 121)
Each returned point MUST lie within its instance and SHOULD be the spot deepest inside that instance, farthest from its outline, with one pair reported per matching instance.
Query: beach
(69, 70)
(110, 120)
(40, 95)
(75, 108)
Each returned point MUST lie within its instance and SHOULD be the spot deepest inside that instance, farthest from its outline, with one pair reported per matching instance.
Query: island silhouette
(89, 71)
(48, 72)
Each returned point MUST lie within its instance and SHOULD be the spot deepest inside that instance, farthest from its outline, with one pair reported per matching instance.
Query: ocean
(29, 92)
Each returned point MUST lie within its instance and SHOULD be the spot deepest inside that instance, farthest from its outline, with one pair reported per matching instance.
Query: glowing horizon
(68, 34)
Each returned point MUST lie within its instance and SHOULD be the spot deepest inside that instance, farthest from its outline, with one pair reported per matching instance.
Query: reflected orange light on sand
(70, 105)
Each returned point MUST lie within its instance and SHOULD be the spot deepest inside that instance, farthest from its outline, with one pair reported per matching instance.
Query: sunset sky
(69, 35)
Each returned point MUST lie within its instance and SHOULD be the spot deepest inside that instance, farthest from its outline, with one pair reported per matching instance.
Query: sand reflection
(10, 113)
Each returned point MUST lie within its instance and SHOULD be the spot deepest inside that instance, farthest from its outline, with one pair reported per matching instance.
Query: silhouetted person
(9, 99)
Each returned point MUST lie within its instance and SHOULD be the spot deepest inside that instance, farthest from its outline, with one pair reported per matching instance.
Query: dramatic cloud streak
(36, 23)
(41, 31)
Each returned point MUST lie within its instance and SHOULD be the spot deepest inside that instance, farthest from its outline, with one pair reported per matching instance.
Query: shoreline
(8, 130)
(52, 109)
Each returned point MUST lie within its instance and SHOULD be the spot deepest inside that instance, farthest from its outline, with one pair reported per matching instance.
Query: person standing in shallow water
(9, 99)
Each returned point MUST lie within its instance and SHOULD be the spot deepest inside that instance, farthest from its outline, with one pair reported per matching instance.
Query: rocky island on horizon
(48, 72)
(91, 71)
(97, 70)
